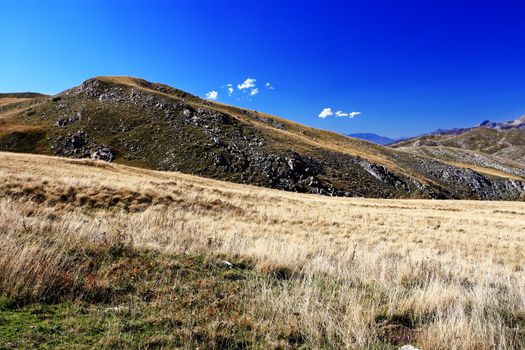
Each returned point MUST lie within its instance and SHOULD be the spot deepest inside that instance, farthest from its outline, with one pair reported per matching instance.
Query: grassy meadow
(101, 255)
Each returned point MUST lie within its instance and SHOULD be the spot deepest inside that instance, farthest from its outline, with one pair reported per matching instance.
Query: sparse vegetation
(96, 254)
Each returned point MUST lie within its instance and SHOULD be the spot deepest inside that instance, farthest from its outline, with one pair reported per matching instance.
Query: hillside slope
(473, 159)
(135, 122)
(504, 140)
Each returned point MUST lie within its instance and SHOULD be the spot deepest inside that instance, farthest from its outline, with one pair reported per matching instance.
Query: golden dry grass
(354, 273)
(10, 100)
(7, 115)
(11, 128)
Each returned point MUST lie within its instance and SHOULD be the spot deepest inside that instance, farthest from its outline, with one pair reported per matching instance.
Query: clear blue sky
(408, 66)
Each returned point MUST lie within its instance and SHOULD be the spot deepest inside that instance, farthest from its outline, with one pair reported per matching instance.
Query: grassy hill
(16, 98)
(134, 122)
(100, 255)
(506, 143)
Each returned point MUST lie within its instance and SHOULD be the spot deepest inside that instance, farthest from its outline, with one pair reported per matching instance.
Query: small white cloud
(230, 91)
(349, 115)
(212, 95)
(326, 112)
(247, 84)
(269, 86)
(254, 92)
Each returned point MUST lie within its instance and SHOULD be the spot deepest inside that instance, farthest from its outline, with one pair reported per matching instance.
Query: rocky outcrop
(457, 182)
(478, 159)
(77, 145)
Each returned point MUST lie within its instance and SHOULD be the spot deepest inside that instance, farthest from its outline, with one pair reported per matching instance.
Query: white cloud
(247, 84)
(212, 95)
(354, 114)
(349, 115)
(247, 87)
(326, 112)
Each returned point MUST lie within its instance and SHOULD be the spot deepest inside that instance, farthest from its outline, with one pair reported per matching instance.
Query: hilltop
(21, 95)
(17, 97)
(135, 122)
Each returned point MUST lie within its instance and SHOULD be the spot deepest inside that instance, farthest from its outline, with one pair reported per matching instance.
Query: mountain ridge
(500, 139)
(135, 122)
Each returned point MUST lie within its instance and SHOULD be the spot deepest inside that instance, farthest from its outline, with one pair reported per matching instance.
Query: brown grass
(11, 128)
(10, 100)
(345, 273)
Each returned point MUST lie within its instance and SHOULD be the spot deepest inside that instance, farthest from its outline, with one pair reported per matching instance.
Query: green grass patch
(152, 300)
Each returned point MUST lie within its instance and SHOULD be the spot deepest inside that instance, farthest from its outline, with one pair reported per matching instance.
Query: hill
(95, 254)
(380, 140)
(21, 95)
(17, 97)
(502, 140)
(134, 122)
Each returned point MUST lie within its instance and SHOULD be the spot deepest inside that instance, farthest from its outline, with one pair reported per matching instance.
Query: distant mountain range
(135, 122)
(377, 139)
(500, 139)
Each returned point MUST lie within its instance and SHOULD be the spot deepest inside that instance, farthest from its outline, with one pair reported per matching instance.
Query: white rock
(408, 347)
(227, 264)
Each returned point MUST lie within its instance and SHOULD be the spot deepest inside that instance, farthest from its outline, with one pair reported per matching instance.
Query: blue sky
(407, 66)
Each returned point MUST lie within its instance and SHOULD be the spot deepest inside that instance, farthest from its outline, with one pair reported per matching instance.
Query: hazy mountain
(380, 140)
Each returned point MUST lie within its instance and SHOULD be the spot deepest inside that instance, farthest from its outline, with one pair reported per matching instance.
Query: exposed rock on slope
(465, 156)
(139, 123)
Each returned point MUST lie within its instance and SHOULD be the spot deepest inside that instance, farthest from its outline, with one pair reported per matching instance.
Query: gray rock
(103, 153)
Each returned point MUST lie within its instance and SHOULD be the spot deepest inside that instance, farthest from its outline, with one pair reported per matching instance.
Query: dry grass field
(9, 100)
(96, 254)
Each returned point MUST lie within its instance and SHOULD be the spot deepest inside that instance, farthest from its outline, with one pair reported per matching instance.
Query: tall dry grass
(351, 273)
